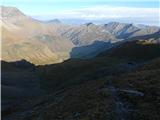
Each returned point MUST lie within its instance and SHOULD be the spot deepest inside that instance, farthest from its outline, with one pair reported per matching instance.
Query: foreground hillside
(19, 82)
(141, 90)
(105, 87)
(129, 95)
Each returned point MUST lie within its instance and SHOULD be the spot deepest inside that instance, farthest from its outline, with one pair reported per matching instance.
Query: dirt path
(121, 108)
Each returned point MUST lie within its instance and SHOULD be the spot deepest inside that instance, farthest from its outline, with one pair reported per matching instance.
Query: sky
(99, 11)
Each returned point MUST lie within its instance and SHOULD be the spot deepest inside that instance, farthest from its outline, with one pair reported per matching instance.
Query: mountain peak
(7, 8)
(119, 25)
(54, 21)
(10, 12)
(88, 24)
(113, 24)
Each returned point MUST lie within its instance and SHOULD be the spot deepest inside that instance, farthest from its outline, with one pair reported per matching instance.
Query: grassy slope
(87, 101)
(92, 100)
(74, 71)
(18, 84)
(135, 50)
(83, 82)
(146, 80)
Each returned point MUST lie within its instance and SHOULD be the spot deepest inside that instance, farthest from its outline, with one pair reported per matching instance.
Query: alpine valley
(57, 71)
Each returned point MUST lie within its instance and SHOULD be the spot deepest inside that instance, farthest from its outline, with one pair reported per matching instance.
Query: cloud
(146, 11)
(53, 1)
(104, 12)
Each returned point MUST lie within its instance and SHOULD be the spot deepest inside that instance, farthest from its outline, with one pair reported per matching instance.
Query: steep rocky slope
(88, 33)
(124, 31)
(26, 38)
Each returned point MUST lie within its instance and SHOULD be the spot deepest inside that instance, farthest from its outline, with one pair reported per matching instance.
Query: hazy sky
(133, 11)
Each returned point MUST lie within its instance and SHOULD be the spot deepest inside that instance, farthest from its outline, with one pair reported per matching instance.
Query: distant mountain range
(53, 21)
(52, 42)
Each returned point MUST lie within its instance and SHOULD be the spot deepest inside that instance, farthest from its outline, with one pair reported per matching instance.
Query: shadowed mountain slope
(19, 82)
(81, 89)
(91, 50)
(110, 81)
(138, 50)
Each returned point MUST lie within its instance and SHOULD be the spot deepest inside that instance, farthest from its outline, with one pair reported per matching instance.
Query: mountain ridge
(22, 34)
